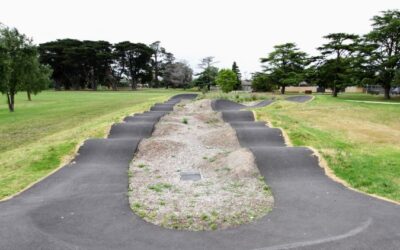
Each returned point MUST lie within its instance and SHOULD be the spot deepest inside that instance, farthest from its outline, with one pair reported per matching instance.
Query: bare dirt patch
(194, 139)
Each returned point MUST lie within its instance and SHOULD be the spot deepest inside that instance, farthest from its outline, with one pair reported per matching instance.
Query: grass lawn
(44, 133)
(360, 141)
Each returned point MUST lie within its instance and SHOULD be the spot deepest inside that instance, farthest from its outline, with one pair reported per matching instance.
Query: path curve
(85, 205)
(299, 98)
(226, 105)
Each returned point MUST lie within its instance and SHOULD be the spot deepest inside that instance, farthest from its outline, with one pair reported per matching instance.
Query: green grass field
(359, 141)
(44, 133)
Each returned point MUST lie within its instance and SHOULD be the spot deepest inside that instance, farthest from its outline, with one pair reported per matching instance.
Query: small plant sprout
(141, 165)
(185, 120)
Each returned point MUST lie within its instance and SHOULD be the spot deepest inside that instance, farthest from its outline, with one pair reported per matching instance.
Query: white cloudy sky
(230, 30)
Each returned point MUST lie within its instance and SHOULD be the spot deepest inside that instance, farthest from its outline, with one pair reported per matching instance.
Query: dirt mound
(151, 148)
(193, 140)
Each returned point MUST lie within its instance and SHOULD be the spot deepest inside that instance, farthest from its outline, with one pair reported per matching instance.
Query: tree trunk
(156, 83)
(387, 91)
(57, 86)
(114, 86)
(28, 93)
(283, 88)
(10, 101)
(133, 85)
(334, 90)
(94, 86)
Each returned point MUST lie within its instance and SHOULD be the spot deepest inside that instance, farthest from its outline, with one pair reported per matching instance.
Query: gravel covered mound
(192, 173)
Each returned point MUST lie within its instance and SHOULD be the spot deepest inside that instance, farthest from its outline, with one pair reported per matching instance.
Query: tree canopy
(177, 74)
(20, 69)
(337, 59)
(285, 65)
(206, 78)
(226, 80)
(345, 59)
(384, 48)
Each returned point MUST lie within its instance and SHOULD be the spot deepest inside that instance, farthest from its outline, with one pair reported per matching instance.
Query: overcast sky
(230, 30)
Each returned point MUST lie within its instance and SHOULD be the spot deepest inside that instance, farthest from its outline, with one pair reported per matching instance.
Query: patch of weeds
(212, 121)
(227, 152)
(136, 205)
(266, 190)
(139, 209)
(159, 187)
(205, 157)
(141, 213)
(141, 165)
(227, 169)
(162, 203)
(212, 159)
(174, 222)
(204, 217)
(185, 120)
(130, 174)
(151, 215)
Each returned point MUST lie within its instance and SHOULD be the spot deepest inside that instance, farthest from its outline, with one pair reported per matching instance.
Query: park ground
(359, 141)
(43, 134)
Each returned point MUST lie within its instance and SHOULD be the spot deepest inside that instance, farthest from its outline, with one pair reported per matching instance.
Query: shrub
(226, 79)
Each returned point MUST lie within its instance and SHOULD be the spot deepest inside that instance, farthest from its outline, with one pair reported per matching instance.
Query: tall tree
(177, 74)
(19, 66)
(384, 41)
(236, 70)
(160, 60)
(119, 66)
(206, 62)
(338, 56)
(285, 65)
(207, 77)
(65, 58)
(78, 64)
(37, 78)
(138, 56)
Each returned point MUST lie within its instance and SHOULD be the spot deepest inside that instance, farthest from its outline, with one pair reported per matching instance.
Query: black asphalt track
(226, 105)
(84, 205)
(308, 202)
(229, 105)
(299, 98)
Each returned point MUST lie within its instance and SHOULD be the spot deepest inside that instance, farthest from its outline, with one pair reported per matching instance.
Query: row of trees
(87, 64)
(20, 69)
(345, 59)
